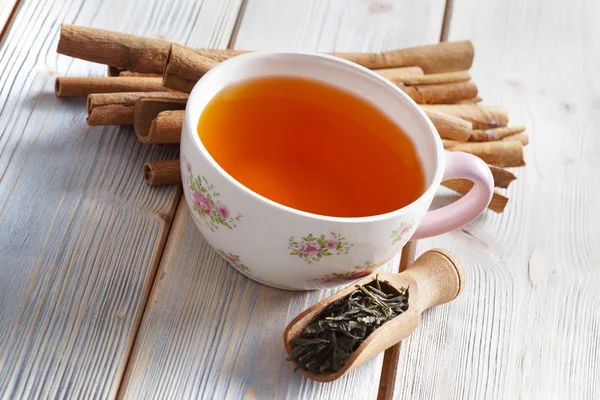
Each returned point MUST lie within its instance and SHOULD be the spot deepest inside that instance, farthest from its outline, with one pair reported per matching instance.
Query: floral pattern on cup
(312, 248)
(398, 234)
(234, 260)
(357, 272)
(208, 205)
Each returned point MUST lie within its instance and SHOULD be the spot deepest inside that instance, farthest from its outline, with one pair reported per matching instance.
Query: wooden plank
(81, 233)
(339, 25)
(527, 323)
(208, 331)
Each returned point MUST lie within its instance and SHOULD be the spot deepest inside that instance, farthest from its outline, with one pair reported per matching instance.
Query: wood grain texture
(8, 9)
(210, 332)
(81, 234)
(527, 324)
(339, 25)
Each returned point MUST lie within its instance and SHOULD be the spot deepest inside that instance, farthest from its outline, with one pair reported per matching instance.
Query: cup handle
(465, 209)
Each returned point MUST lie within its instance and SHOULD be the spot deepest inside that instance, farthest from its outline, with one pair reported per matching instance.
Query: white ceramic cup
(291, 249)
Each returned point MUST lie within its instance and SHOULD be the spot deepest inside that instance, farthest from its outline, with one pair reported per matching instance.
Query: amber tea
(311, 146)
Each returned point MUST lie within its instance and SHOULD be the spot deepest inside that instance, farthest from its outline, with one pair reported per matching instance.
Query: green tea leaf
(328, 341)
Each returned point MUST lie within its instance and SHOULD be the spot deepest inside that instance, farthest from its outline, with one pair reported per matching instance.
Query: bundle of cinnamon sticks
(149, 80)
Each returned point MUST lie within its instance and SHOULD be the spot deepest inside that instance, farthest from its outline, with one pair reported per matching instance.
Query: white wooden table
(107, 289)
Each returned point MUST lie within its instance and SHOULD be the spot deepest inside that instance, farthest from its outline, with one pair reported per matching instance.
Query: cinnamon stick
(502, 177)
(147, 109)
(120, 50)
(397, 74)
(435, 58)
(140, 54)
(165, 172)
(463, 186)
(139, 75)
(82, 86)
(412, 76)
(118, 108)
(488, 135)
(111, 108)
(113, 71)
(446, 93)
(482, 117)
(446, 125)
(475, 99)
(450, 127)
(166, 127)
(500, 153)
(436, 79)
(522, 137)
(215, 54)
(184, 67)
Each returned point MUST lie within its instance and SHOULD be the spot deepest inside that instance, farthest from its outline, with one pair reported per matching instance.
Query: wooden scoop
(435, 278)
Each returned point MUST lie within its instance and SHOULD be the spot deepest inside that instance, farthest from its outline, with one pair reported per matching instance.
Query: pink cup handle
(470, 206)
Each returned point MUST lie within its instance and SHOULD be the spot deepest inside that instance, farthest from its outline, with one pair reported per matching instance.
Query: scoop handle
(439, 276)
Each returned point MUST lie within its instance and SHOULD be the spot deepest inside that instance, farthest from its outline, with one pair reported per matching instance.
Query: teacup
(292, 249)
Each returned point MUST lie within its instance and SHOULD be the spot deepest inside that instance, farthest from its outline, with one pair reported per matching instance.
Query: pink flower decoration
(202, 202)
(222, 209)
(310, 248)
(341, 278)
(188, 167)
(198, 197)
(231, 259)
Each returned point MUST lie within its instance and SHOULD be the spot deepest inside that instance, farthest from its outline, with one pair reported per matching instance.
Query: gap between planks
(446, 21)
(149, 291)
(7, 23)
(238, 23)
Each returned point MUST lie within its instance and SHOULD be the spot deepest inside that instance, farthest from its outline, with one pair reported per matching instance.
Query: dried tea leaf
(330, 339)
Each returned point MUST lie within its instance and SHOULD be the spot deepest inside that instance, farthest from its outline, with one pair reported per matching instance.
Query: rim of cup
(191, 113)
